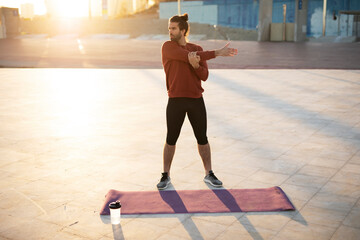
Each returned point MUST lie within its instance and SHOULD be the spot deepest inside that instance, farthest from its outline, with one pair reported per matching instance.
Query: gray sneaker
(212, 179)
(164, 181)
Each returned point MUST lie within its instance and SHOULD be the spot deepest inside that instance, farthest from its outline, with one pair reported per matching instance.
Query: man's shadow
(229, 201)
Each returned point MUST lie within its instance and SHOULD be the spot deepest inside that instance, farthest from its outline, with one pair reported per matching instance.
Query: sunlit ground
(67, 136)
(74, 101)
(81, 102)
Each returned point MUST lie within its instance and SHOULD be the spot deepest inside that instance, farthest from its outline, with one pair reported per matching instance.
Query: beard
(175, 37)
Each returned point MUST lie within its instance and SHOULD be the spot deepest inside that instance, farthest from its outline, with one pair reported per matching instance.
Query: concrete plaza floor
(67, 136)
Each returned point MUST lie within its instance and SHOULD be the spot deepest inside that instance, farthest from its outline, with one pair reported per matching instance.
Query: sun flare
(70, 8)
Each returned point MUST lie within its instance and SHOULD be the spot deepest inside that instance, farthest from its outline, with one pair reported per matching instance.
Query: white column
(265, 19)
(324, 17)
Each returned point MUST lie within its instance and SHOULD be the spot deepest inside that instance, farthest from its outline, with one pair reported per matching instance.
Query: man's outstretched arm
(171, 50)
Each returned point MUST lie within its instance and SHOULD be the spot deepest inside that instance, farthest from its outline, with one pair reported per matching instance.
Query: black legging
(175, 115)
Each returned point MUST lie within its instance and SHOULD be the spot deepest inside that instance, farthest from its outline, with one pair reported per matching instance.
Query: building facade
(304, 17)
(9, 22)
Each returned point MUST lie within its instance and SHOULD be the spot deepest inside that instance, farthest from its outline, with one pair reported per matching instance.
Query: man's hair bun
(182, 20)
(185, 17)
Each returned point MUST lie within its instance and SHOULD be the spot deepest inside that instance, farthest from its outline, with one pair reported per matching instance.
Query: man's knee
(202, 141)
(171, 142)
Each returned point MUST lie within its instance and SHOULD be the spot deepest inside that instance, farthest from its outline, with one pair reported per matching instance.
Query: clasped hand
(194, 60)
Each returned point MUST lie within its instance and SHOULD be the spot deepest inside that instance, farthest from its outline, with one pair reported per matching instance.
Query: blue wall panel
(237, 13)
(277, 11)
(315, 14)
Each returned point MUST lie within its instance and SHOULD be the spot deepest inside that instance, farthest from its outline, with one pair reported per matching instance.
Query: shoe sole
(165, 186)
(209, 182)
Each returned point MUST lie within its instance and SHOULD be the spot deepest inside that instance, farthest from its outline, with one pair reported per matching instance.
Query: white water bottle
(115, 208)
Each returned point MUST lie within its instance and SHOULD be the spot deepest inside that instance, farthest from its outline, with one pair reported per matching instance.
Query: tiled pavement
(67, 136)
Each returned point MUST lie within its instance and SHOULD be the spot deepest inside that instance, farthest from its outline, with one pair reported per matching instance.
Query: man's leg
(210, 177)
(197, 117)
(205, 154)
(169, 151)
(175, 116)
(165, 180)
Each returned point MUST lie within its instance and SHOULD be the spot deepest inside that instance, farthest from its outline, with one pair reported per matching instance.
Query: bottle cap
(115, 205)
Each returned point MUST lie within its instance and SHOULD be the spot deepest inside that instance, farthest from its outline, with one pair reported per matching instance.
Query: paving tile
(308, 149)
(347, 177)
(37, 192)
(271, 221)
(7, 181)
(109, 238)
(135, 230)
(332, 201)
(32, 229)
(319, 171)
(25, 171)
(231, 182)
(335, 154)
(243, 229)
(163, 220)
(11, 222)
(238, 169)
(254, 161)
(303, 193)
(88, 225)
(69, 213)
(347, 233)
(9, 156)
(281, 166)
(248, 184)
(321, 216)
(195, 228)
(353, 168)
(357, 205)
(355, 159)
(303, 230)
(60, 235)
(191, 186)
(167, 236)
(343, 189)
(269, 177)
(220, 218)
(298, 204)
(353, 219)
(306, 180)
(297, 156)
(326, 162)
(268, 153)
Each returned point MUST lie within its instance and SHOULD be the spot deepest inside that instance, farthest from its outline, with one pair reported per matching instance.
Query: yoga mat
(199, 201)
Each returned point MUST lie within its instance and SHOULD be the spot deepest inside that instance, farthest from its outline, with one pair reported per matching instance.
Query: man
(185, 66)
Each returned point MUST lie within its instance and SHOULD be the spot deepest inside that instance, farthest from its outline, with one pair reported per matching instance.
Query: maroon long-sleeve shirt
(182, 80)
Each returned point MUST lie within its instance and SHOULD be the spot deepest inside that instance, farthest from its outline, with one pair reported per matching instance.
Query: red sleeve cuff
(206, 55)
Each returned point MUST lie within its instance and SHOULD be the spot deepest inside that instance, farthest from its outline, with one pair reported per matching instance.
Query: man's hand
(194, 60)
(226, 51)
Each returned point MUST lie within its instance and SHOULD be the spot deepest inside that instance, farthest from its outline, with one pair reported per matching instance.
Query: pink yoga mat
(199, 201)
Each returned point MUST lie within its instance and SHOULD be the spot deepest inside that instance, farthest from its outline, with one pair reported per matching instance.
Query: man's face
(174, 31)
